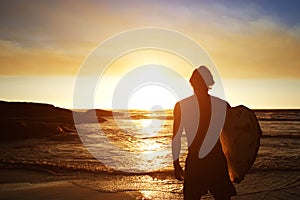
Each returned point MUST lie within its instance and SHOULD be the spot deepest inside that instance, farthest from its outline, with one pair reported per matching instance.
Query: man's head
(201, 79)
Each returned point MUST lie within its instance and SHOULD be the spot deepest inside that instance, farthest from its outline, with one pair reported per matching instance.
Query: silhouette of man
(197, 115)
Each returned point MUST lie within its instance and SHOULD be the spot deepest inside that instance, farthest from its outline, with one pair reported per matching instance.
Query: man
(202, 117)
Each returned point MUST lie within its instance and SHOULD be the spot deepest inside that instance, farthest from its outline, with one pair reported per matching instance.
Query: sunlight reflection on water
(138, 145)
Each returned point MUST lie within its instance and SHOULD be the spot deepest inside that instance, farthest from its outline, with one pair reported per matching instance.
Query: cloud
(246, 43)
(17, 60)
(42, 37)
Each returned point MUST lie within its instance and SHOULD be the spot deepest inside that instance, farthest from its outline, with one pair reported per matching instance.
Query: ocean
(135, 155)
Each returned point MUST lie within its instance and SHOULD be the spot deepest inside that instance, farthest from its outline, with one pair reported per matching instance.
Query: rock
(19, 120)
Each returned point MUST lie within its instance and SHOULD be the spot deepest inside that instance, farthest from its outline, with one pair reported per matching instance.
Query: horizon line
(139, 109)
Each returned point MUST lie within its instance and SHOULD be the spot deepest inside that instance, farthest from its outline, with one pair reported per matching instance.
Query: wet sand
(29, 184)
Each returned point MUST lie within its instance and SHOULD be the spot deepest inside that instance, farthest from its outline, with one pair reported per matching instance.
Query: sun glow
(151, 73)
(151, 97)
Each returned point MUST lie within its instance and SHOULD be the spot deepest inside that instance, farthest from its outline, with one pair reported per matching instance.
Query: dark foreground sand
(32, 184)
(28, 184)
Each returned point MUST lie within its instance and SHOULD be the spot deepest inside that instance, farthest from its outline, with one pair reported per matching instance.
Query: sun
(152, 97)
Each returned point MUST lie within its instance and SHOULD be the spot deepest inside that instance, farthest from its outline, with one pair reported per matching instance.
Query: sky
(254, 45)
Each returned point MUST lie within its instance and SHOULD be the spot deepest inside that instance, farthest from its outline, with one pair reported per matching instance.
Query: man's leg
(221, 197)
(190, 192)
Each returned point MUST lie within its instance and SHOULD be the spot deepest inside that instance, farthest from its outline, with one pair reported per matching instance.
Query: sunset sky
(255, 46)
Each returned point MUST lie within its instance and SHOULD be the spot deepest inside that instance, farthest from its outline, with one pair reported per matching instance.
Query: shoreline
(31, 184)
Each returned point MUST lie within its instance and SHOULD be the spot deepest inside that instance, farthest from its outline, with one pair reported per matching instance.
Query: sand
(29, 184)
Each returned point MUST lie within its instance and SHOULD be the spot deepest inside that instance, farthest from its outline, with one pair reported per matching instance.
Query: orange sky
(42, 46)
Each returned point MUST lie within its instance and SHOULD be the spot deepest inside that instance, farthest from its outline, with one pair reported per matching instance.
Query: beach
(29, 184)
(61, 167)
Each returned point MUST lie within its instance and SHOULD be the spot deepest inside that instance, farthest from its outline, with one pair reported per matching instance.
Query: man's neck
(201, 93)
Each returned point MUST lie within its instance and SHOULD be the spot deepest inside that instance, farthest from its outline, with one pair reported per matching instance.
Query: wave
(55, 168)
(262, 192)
(278, 119)
(282, 136)
(254, 169)
(278, 115)
(162, 173)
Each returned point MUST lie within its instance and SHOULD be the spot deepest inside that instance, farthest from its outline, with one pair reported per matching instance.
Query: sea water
(134, 154)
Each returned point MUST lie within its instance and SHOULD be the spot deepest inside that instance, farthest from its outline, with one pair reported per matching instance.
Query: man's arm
(176, 142)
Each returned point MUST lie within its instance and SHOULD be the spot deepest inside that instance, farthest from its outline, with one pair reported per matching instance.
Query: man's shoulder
(218, 99)
(220, 103)
(187, 100)
(193, 99)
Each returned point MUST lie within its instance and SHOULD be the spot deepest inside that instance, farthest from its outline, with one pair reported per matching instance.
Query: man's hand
(178, 172)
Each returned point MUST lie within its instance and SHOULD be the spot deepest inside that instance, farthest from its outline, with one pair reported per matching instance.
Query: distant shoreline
(122, 110)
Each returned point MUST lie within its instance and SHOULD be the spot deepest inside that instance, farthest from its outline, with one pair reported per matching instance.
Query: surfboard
(240, 140)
